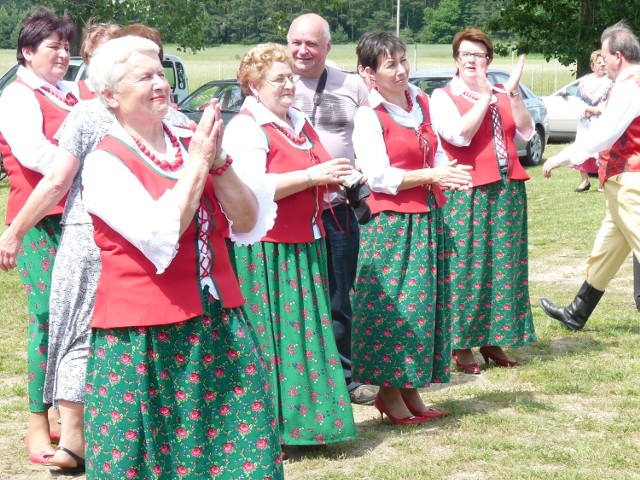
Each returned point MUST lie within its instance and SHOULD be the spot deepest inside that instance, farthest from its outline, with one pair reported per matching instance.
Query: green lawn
(571, 412)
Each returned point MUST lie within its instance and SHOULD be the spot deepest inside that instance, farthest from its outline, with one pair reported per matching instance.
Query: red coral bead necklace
(299, 140)
(163, 164)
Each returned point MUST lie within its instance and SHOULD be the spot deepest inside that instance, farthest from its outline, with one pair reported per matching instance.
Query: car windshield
(428, 85)
(229, 94)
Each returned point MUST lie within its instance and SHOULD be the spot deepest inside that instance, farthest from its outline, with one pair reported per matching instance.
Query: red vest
(23, 180)
(85, 92)
(130, 292)
(407, 149)
(297, 213)
(480, 154)
(624, 154)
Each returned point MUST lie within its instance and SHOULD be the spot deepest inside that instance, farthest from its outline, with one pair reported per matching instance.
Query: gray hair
(326, 29)
(107, 62)
(622, 39)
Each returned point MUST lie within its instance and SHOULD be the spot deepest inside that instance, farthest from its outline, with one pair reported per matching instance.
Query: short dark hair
(140, 30)
(40, 24)
(374, 44)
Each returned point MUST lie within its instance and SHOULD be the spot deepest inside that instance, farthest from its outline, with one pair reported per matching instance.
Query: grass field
(570, 413)
(222, 62)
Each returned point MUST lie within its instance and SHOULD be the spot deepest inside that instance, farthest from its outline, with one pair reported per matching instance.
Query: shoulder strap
(317, 97)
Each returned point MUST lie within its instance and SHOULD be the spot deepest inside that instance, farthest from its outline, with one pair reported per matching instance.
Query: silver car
(530, 152)
(562, 107)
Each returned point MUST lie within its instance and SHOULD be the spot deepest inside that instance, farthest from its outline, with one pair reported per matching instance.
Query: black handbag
(357, 197)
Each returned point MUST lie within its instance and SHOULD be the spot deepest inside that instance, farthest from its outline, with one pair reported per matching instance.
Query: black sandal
(79, 461)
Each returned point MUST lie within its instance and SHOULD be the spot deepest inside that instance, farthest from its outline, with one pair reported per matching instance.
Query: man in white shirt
(617, 137)
(331, 114)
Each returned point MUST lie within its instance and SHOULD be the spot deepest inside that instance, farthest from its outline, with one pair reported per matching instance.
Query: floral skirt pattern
(35, 266)
(187, 400)
(490, 269)
(288, 307)
(401, 329)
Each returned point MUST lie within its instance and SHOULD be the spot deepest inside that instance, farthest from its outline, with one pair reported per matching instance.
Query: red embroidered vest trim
(480, 154)
(407, 149)
(297, 213)
(23, 180)
(130, 292)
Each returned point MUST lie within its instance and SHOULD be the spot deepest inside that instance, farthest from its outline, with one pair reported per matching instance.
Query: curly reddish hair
(257, 62)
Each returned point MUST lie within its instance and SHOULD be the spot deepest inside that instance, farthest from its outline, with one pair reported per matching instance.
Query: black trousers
(343, 243)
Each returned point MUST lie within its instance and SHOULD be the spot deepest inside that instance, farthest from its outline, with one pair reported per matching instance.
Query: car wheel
(535, 148)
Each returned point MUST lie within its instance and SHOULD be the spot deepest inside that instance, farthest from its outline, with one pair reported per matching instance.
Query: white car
(562, 108)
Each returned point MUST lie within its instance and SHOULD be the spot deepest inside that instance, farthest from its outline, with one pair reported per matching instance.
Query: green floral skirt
(401, 329)
(288, 306)
(490, 268)
(35, 266)
(187, 400)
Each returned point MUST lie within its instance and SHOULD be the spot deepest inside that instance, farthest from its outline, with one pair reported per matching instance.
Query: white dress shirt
(622, 108)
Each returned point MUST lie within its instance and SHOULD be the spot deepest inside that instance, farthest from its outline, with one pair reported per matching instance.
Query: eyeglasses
(482, 57)
(280, 82)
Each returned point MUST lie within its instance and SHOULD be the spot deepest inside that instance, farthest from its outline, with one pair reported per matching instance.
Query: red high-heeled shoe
(45, 457)
(382, 408)
(430, 413)
(469, 368)
(501, 362)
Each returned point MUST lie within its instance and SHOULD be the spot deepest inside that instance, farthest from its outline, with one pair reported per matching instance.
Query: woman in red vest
(477, 124)
(401, 326)
(284, 277)
(175, 384)
(33, 107)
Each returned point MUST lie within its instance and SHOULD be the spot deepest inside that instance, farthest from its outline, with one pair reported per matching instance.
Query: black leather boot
(575, 315)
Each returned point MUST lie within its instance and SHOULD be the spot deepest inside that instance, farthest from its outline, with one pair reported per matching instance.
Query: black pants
(343, 243)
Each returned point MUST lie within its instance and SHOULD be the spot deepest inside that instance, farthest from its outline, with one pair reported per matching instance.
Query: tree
(443, 22)
(179, 21)
(568, 30)
(11, 14)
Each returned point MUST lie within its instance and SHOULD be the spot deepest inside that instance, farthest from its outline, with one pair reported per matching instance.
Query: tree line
(565, 29)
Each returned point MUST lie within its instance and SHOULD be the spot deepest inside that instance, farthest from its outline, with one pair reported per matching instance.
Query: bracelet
(218, 169)
(309, 179)
(514, 94)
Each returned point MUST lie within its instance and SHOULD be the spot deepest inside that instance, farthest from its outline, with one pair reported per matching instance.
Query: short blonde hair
(594, 58)
(257, 62)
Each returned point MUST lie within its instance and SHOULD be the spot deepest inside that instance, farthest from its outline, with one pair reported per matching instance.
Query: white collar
(265, 116)
(34, 81)
(628, 72)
